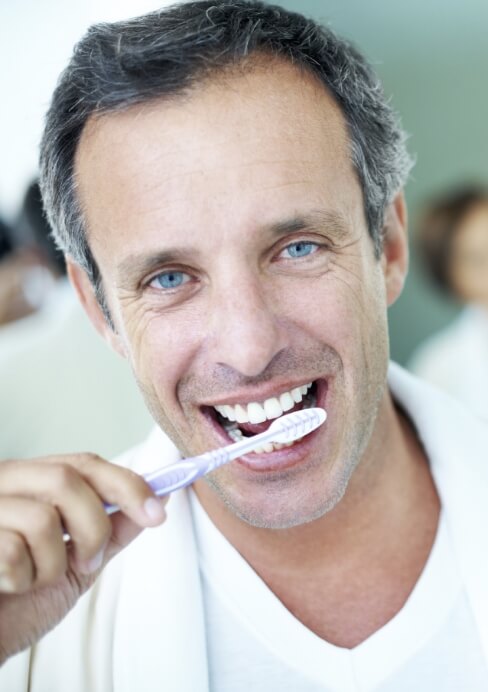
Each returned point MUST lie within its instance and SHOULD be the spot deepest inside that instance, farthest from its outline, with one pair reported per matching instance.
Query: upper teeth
(258, 412)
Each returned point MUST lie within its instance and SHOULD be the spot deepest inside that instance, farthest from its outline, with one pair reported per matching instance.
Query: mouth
(234, 421)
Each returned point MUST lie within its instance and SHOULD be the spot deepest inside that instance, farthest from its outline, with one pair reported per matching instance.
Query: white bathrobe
(141, 626)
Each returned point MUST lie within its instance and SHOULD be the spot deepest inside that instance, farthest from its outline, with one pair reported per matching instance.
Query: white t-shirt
(255, 644)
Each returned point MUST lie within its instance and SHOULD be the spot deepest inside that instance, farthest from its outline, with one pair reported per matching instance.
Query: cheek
(162, 348)
(344, 308)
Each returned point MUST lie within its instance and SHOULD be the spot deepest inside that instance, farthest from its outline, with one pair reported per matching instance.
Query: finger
(40, 528)
(62, 488)
(16, 566)
(123, 487)
(76, 488)
(114, 484)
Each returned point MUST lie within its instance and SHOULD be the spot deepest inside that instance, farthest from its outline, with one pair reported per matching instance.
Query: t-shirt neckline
(376, 658)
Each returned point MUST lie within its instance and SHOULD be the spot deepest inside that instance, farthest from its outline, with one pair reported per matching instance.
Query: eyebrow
(132, 268)
(336, 225)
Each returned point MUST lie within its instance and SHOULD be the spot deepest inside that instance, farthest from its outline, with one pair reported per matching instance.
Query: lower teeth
(236, 435)
(271, 447)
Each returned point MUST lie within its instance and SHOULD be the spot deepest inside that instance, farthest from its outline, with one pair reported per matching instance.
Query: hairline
(236, 68)
(374, 133)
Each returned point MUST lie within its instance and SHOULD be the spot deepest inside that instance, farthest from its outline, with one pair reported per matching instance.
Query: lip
(280, 459)
(258, 394)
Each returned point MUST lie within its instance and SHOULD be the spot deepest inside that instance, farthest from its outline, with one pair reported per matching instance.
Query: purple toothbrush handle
(186, 471)
(171, 478)
(181, 474)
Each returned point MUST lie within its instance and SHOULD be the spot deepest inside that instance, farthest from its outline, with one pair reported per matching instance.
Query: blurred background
(432, 57)
(433, 60)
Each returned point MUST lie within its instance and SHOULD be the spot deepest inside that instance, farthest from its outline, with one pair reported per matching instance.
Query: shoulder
(449, 432)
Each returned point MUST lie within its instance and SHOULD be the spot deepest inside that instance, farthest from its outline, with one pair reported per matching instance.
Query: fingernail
(6, 584)
(154, 509)
(90, 566)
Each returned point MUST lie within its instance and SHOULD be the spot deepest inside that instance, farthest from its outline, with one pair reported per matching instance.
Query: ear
(395, 248)
(86, 294)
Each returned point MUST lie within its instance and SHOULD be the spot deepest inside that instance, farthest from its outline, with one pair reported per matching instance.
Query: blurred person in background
(61, 388)
(5, 243)
(27, 273)
(453, 237)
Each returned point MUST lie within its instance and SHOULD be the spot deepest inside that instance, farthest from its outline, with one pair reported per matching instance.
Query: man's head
(168, 53)
(227, 175)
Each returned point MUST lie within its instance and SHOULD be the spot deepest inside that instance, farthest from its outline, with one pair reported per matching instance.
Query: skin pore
(229, 229)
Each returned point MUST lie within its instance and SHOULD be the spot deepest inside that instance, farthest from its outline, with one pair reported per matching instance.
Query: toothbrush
(285, 429)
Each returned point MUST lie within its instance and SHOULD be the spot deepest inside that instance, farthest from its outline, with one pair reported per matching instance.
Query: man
(225, 179)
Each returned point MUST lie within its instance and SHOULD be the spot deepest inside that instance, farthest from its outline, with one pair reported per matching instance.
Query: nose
(245, 329)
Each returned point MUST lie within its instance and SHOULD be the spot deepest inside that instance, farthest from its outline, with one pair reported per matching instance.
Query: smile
(243, 420)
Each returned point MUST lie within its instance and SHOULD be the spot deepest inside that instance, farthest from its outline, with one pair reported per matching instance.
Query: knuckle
(127, 484)
(46, 520)
(98, 535)
(13, 551)
(135, 481)
(86, 463)
(86, 459)
(65, 477)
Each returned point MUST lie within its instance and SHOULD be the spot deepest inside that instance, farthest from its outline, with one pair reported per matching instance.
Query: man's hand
(41, 575)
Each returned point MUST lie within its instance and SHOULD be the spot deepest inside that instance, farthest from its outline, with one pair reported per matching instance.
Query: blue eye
(301, 249)
(170, 279)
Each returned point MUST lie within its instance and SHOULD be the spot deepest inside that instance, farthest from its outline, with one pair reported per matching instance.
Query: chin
(273, 506)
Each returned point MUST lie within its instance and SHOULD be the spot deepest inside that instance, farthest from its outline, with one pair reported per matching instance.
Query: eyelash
(316, 248)
(168, 272)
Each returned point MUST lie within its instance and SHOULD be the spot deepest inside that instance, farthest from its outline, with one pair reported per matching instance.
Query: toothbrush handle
(168, 479)
(173, 477)
(185, 472)
(182, 473)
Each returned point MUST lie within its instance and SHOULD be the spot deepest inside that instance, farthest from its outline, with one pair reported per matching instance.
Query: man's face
(229, 229)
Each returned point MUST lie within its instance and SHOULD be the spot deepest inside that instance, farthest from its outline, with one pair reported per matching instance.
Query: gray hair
(165, 53)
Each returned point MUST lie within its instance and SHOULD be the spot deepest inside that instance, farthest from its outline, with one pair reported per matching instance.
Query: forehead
(234, 148)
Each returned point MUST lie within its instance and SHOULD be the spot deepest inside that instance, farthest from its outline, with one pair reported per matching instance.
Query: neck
(348, 573)
(390, 489)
